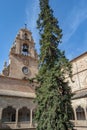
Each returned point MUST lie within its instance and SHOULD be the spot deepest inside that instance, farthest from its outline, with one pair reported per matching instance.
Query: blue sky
(72, 16)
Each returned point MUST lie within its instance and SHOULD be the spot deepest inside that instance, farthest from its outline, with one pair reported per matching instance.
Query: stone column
(16, 121)
(75, 114)
(85, 113)
(0, 117)
(31, 117)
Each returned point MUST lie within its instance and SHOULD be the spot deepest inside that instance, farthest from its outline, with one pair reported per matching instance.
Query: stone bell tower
(23, 57)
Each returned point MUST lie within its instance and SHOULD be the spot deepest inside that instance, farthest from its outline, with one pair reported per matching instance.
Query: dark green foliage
(53, 94)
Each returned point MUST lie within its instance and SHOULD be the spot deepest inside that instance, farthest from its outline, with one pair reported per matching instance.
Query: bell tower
(23, 57)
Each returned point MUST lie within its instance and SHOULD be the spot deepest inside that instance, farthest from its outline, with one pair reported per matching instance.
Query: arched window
(80, 113)
(25, 49)
(24, 114)
(8, 114)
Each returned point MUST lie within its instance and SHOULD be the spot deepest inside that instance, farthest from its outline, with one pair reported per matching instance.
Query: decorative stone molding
(17, 93)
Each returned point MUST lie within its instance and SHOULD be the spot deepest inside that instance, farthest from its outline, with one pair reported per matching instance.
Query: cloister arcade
(79, 113)
(11, 115)
(24, 114)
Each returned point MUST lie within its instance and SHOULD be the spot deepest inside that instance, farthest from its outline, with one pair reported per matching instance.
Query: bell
(25, 49)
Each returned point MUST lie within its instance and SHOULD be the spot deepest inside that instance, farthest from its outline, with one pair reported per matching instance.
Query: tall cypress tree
(53, 94)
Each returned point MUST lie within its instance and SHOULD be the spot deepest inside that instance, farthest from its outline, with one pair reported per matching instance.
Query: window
(80, 113)
(25, 70)
(24, 114)
(25, 49)
(8, 114)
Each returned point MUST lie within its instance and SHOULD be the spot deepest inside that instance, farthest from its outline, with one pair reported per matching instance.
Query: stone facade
(17, 103)
(17, 93)
(22, 54)
(79, 88)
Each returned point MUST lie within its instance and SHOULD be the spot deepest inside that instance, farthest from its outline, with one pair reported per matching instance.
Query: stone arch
(80, 113)
(25, 49)
(23, 114)
(9, 114)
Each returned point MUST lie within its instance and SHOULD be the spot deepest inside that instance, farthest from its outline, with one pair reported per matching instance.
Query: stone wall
(79, 69)
(16, 102)
(78, 87)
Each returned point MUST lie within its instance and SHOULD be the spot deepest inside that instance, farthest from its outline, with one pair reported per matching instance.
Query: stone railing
(19, 125)
(80, 123)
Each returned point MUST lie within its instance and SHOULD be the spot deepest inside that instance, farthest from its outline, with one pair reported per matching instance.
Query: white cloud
(32, 12)
(73, 21)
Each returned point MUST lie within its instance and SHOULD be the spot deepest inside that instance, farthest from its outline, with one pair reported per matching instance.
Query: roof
(85, 53)
(15, 87)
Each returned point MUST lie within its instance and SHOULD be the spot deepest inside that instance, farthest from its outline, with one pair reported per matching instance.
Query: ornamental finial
(25, 26)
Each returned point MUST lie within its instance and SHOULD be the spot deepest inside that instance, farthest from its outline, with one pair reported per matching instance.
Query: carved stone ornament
(25, 62)
(6, 72)
(13, 49)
